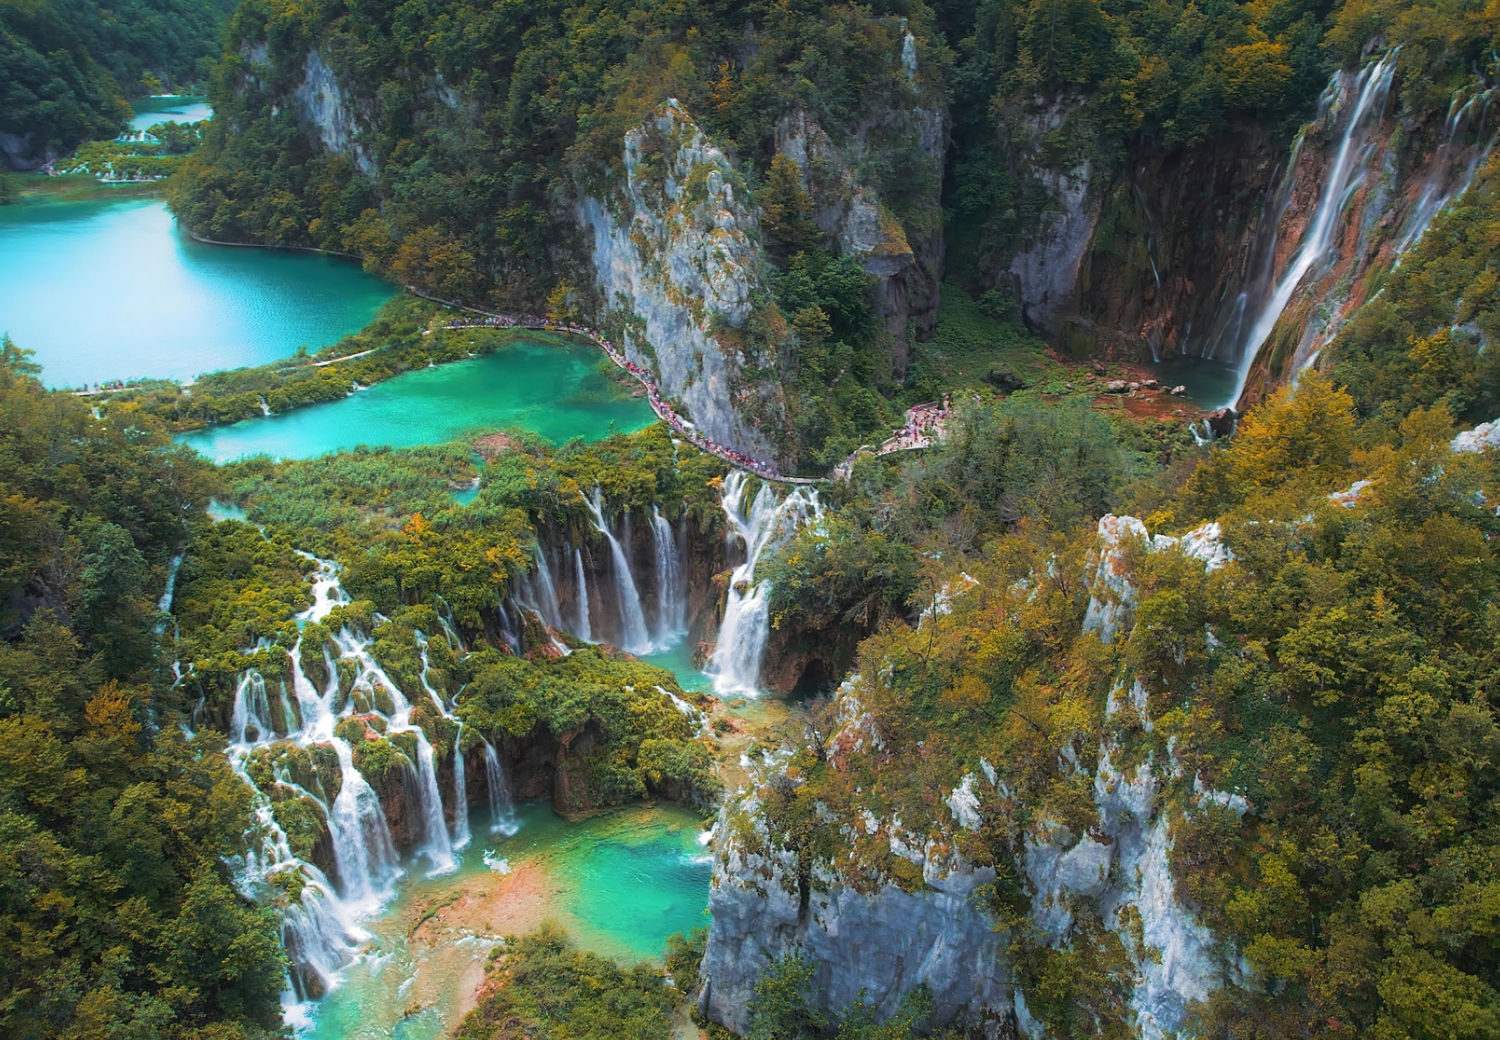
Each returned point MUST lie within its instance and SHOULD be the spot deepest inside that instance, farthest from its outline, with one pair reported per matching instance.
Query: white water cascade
(322, 930)
(437, 846)
(671, 590)
(585, 630)
(634, 637)
(1369, 93)
(461, 835)
(502, 807)
(735, 665)
(547, 591)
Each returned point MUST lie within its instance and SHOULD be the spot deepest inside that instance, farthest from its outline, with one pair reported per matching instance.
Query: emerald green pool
(556, 391)
(618, 883)
(112, 288)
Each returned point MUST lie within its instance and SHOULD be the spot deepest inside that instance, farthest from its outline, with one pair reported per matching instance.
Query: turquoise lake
(179, 109)
(112, 289)
(555, 391)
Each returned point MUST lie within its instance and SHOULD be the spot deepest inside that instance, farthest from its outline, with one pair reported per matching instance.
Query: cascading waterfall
(437, 846)
(502, 808)
(634, 636)
(322, 930)
(1434, 198)
(735, 665)
(584, 630)
(461, 835)
(1371, 88)
(546, 590)
(670, 590)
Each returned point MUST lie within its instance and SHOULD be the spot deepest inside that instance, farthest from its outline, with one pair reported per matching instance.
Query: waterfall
(547, 590)
(165, 603)
(1434, 198)
(670, 591)
(461, 835)
(445, 619)
(585, 632)
(362, 846)
(502, 811)
(437, 847)
(1371, 88)
(735, 665)
(634, 637)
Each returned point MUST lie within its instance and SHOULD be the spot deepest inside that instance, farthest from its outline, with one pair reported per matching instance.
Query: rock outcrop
(906, 261)
(870, 932)
(325, 110)
(676, 258)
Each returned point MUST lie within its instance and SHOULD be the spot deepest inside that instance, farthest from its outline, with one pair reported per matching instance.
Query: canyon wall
(677, 260)
(1232, 250)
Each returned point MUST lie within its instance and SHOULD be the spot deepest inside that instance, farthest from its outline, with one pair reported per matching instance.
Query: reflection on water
(556, 391)
(618, 883)
(112, 289)
(1209, 383)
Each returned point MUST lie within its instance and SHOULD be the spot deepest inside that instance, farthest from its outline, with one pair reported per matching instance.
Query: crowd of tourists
(924, 422)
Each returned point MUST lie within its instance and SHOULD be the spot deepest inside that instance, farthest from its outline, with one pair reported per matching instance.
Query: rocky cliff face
(905, 260)
(1231, 250)
(868, 928)
(325, 110)
(677, 260)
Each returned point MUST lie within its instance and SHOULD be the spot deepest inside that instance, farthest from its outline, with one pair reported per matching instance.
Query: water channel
(618, 883)
(556, 391)
(169, 108)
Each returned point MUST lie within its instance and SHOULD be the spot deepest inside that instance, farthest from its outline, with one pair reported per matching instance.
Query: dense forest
(1077, 618)
(67, 67)
(460, 141)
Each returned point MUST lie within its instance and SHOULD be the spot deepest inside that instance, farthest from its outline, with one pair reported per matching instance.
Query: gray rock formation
(873, 935)
(324, 108)
(677, 258)
(907, 261)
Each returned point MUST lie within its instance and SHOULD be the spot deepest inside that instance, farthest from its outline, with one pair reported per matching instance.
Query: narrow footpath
(925, 423)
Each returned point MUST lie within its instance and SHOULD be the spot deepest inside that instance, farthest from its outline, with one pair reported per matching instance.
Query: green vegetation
(1336, 674)
(542, 988)
(67, 66)
(1422, 340)
(116, 912)
(137, 160)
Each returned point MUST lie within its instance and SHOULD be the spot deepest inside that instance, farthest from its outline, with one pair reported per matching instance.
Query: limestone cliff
(904, 257)
(677, 259)
(880, 907)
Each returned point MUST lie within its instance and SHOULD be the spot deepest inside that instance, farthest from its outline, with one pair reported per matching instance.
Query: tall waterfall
(461, 836)
(546, 590)
(585, 630)
(634, 637)
(671, 588)
(1369, 92)
(735, 665)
